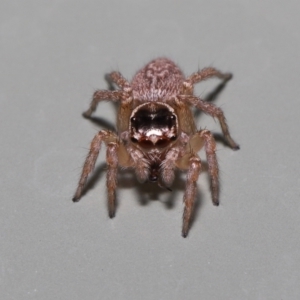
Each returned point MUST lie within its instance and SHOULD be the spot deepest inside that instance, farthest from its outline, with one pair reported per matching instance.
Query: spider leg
(206, 73)
(120, 81)
(89, 164)
(190, 192)
(101, 95)
(111, 176)
(215, 112)
(213, 169)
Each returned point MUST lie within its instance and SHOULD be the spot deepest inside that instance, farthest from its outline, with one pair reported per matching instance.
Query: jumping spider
(156, 132)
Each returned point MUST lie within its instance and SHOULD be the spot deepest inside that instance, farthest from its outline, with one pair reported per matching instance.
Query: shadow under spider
(149, 191)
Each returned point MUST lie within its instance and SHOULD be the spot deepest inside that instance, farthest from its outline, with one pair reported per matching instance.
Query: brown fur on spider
(156, 132)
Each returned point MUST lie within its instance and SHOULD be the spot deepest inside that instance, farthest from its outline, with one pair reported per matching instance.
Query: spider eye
(133, 119)
(134, 140)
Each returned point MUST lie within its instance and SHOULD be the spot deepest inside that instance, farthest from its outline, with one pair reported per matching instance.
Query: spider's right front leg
(103, 135)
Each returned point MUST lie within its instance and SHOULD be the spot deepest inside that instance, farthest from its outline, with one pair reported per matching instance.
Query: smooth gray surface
(53, 56)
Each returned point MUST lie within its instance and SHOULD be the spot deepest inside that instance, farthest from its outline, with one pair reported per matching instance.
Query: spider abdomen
(160, 80)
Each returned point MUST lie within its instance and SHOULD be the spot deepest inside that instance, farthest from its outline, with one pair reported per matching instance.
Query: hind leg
(206, 73)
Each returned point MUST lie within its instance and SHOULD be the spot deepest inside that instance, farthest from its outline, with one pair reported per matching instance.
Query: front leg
(103, 135)
(190, 192)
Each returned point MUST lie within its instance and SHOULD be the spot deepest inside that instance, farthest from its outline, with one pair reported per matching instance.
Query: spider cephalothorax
(156, 132)
(153, 125)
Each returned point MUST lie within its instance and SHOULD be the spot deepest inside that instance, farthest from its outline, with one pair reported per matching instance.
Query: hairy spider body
(156, 132)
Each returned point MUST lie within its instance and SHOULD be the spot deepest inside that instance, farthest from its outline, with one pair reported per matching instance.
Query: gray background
(53, 56)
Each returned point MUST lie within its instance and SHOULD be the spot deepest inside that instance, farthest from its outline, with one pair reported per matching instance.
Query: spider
(156, 132)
